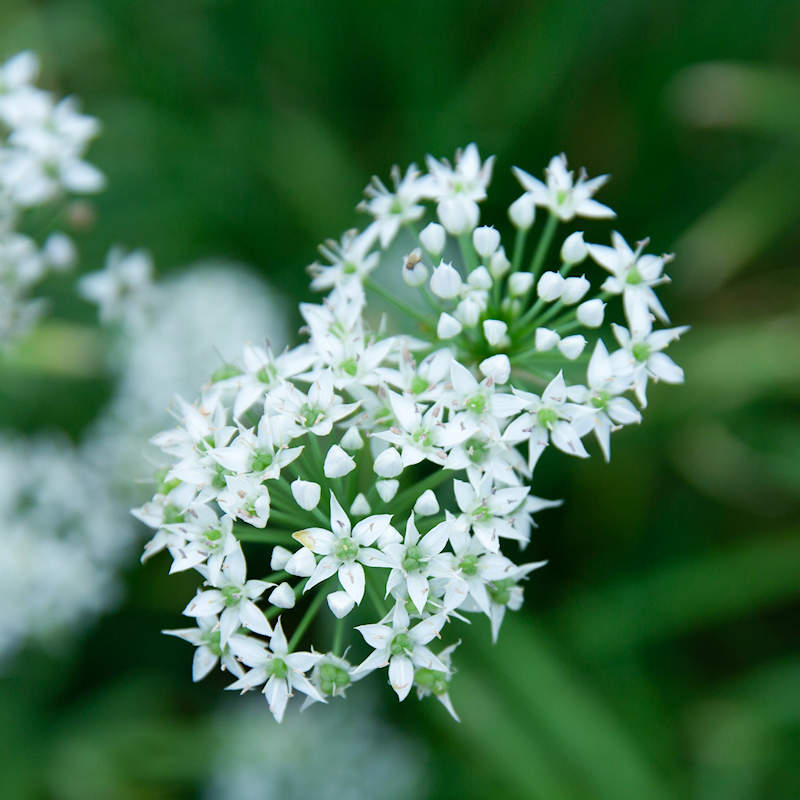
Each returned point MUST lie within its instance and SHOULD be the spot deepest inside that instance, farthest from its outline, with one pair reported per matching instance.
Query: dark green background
(657, 654)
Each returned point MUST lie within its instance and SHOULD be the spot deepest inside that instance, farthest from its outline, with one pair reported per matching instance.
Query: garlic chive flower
(432, 420)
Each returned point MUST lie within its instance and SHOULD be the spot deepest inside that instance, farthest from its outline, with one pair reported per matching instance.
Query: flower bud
(550, 286)
(574, 290)
(519, 283)
(387, 489)
(302, 563)
(360, 507)
(468, 312)
(427, 504)
(340, 604)
(499, 265)
(59, 251)
(337, 463)
(448, 326)
(572, 346)
(445, 281)
(415, 273)
(485, 240)
(388, 464)
(574, 249)
(433, 238)
(352, 440)
(522, 212)
(280, 556)
(545, 339)
(306, 494)
(457, 215)
(480, 278)
(282, 596)
(498, 368)
(591, 313)
(494, 330)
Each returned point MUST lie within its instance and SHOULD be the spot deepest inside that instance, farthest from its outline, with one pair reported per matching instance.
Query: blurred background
(657, 656)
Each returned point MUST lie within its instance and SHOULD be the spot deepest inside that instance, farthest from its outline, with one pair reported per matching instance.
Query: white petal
(401, 675)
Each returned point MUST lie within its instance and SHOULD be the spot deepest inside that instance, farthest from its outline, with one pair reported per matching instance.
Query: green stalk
(311, 612)
(468, 252)
(398, 304)
(545, 240)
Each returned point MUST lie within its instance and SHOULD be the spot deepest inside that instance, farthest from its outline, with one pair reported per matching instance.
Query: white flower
(233, 596)
(344, 549)
(550, 286)
(633, 275)
(393, 209)
(348, 259)
(574, 290)
(590, 313)
(338, 463)
(574, 249)
(494, 330)
(281, 671)
(485, 241)
(545, 339)
(401, 648)
(121, 286)
(445, 281)
(519, 283)
(245, 498)
(561, 194)
(572, 346)
(522, 212)
(206, 638)
(433, 237)
(642, 357)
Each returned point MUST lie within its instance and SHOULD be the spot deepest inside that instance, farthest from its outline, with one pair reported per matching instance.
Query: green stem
(406, 499)
(375, 595)
(468, 252)
(399, 304)
(246, 533)
(519, 248)
(338, 635)
(311, 612)
(543, 245)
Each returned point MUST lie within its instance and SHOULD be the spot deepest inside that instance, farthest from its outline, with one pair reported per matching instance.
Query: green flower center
(469, 565)
(349, 367)
(432, 680)
(422, 437)
(332, 677)
(277, 668)
(641, 351)
(400, 644)
(600, 399)
(346, 549)
(477, 450)
(634, 277)
(413, 558)
(309, 415)
(418, 384)
(172, 514)
(476, 404)
(500, 591)
(262, 461)
(546, 417)
(267, 374)
(232, 595)
(211, 641)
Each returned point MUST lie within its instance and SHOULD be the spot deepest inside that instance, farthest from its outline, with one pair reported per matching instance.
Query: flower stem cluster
(388, 463)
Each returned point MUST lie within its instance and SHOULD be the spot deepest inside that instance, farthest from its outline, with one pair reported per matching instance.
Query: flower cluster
(388, 461)
(42, 145)
(62, 539)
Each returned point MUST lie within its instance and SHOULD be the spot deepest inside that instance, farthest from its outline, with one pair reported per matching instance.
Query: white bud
(550, 286)
(306, 494)
(445, 281)
(340, 604)
(20, 69)
(415, 273)
(427, 504)
(522, 212)
(494, 330)
(387, 489)
(519, 283)
(468, 312)
(498, 368)
(457, 215)
(433, 238)
(59, 251)
(352, 440)
(280, 555)
(574, 290)
(338, 463)
(485, 240)
(545, 339)
(448, 326)
(360, 507)
(574, 249)
(389, 464)
(572, 346)
(282, 596)
(499, 264)
(302, 563)
(480, 278)
(591, 313)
